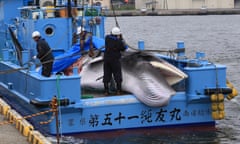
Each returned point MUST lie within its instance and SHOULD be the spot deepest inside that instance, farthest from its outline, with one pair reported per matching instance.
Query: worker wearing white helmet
(80, 29)
(36, 34)
(116, 31)
(44, 54)
(114, 44)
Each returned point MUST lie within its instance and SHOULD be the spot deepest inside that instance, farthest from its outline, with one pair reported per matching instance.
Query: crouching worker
(85, 40)
(114, 44)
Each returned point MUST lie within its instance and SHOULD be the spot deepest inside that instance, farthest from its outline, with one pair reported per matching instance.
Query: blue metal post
(5, 53)
(180, 45)
(75, 70)
(141, 45)
(32, 66)
(200, 55)
(25, 56)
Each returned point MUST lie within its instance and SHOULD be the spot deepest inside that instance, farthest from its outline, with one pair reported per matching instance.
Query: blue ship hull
(104, 113)
(117, 112)
(198, 99)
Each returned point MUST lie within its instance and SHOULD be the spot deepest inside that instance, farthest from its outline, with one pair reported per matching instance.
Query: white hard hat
(36, 34)
(80, 29)
(116, 31)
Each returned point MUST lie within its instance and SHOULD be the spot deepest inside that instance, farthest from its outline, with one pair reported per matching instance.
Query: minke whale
(145, 75)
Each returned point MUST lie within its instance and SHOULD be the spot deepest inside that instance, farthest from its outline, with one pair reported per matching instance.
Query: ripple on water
(218, 37)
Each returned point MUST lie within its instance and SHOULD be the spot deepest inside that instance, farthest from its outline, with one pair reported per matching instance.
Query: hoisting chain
(54, 109)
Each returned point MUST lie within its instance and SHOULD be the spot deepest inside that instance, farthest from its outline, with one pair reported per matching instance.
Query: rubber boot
(106, 89)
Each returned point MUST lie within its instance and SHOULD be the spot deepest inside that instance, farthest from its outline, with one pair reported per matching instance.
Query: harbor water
(218, 37)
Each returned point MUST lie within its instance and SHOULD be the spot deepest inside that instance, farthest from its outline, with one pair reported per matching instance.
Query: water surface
(216, 35)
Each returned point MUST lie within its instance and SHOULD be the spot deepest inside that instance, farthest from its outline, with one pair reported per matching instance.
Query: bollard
(35, 137)
(141, 45)
(32, 66)
(25, 56)
(10, 85)
(5, 54)
(180, 46)
(75, 70)
(200, 55)
(4, 107)
(24, 127)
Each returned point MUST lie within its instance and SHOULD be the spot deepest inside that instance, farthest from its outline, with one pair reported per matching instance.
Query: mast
(69, 8)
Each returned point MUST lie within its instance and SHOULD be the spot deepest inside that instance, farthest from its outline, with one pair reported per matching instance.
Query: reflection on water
(186, 134)
(218, 36)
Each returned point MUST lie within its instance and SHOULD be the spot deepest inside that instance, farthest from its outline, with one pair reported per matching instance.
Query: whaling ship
(197, 98)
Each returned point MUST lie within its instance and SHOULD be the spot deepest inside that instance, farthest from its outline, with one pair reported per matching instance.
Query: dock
(10, 135)
(15, 129)
(175, 12)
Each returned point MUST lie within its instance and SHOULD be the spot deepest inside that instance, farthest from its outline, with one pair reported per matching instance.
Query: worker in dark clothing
(44, 54)
(114, 44)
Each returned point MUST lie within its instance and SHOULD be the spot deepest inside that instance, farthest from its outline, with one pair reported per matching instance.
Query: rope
(135, 49)
(82, 15)
(114, 14)
(85, 52)
(49, 51)
(29, 63)
(58, 98)
(54, 109)
(55, 106)
(217, 85)
(6, 122)
(28, 116)
(91, 32)
(169, 52)
(11, 70)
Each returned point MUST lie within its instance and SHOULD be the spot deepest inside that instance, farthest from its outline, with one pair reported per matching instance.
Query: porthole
(49, 31)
